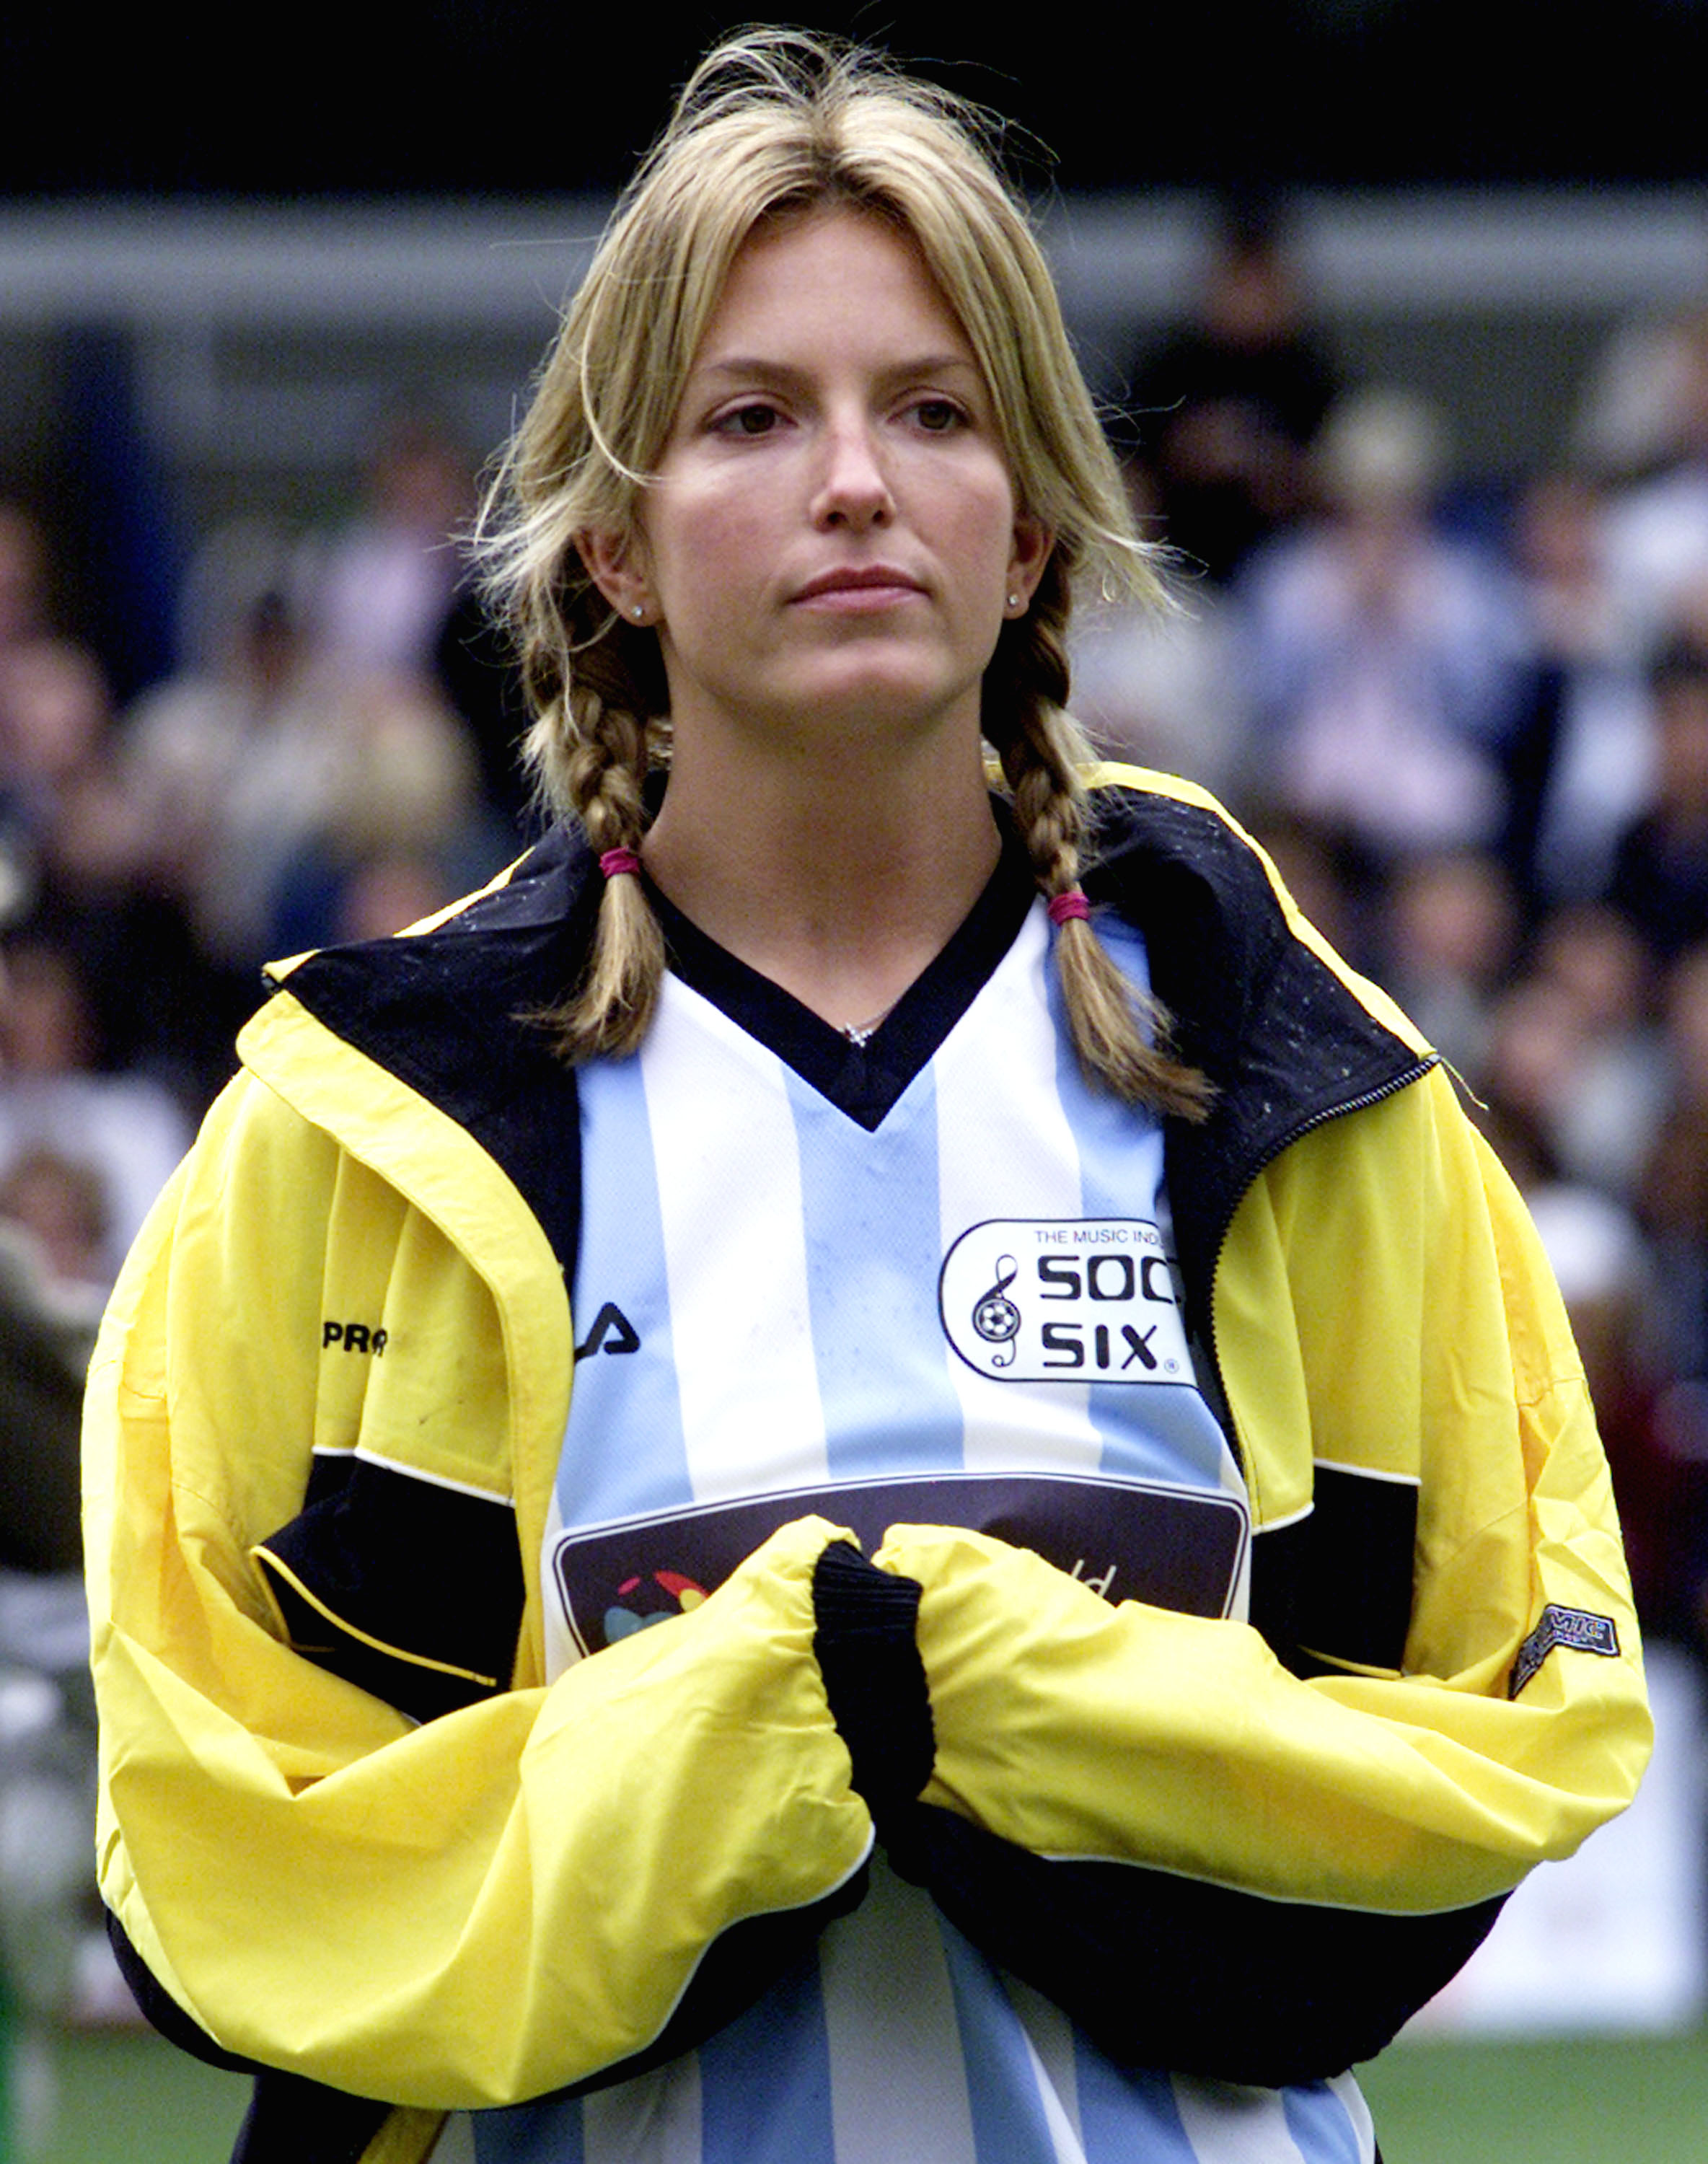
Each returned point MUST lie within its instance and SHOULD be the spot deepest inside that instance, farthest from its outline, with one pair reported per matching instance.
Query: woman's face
(832, 540)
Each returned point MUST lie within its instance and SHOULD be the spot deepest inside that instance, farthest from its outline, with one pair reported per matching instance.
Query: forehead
(848, 279)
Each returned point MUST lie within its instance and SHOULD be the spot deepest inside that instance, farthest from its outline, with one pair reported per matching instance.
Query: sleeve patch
(1579, 1629)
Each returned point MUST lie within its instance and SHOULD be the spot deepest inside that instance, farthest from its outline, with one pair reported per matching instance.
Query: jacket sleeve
(1256, 1874)
(527, 1893)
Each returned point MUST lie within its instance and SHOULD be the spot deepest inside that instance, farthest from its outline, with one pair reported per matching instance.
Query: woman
(1241, 1611)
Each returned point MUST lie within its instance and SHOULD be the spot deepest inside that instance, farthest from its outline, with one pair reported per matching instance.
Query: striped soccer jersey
(927, 1278)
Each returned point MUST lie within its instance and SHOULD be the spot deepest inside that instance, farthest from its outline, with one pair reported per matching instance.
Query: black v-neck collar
(863, 1080)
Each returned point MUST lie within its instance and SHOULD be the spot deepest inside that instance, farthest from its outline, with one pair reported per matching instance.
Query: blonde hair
(772, 124)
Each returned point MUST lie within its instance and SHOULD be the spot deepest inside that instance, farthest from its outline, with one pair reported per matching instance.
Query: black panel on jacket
(1161, 1970)
(1336, 1587)
(433, 1572)
(453, 1013)
(1286, 1044)
(292, 2121)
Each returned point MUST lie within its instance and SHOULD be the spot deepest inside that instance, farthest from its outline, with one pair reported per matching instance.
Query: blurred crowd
(1466, 714)
(332, 758)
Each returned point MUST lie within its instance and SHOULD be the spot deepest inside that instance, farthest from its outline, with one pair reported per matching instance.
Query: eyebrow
(784, 376)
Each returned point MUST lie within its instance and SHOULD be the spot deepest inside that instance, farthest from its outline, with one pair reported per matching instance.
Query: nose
(853, 488)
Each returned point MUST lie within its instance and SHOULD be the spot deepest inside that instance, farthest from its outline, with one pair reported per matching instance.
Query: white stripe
(1228, 2124)
(1346, 2087)
(415, 1473)
(653, 2120)
(1064, 2131)
(1006, 1149)
(898, 2084)
(1370, 1473)
(735, 1259)
(457, 2141)
(1050, 2034)
(1292, 1518)
(561, 1651)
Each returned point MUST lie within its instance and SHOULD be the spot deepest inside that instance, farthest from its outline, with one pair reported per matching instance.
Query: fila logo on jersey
(1081, 1299)
(611, 1333)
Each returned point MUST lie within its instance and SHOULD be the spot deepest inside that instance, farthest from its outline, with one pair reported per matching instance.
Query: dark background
(525, 98)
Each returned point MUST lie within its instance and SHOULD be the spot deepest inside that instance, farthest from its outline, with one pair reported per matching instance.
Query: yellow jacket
(365, 1254)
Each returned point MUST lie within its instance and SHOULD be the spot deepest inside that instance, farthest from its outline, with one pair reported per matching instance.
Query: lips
(864, 579)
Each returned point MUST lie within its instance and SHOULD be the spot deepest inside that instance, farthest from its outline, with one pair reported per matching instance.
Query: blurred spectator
(1674, 1184)
(188, 742)
(1163, 690)
(1604, 1118)
(46, 1335)
(1580, 767)
(270, 781)
(1227, 408)
(379, 593)
(23, 609)
(1658, 529)
(1389, 664)
(1660, 868)
(1628, 422)
(121, 1132)
(1450, 934)
(76, 849)
(1570, 1056)
(62, 1207)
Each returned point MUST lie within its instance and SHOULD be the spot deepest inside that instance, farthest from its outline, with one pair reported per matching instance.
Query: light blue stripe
(874, 1249)
(1009, 2125)
(1149, 1431)
(765, 2081)
(547, 2131)
(629, 1455)
(1127, 2113)
(1319, 2122)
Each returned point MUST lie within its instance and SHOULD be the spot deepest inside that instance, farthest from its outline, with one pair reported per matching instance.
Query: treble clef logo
(995, 1317)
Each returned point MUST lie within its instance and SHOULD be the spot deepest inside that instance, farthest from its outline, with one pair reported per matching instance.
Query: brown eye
(758, 420)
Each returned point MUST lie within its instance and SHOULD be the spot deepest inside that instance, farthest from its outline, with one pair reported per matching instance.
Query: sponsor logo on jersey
(649, 1597)
(1088, 1300)
(1176, 1547)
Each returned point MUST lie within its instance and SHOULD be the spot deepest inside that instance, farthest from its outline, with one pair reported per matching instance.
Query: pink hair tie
(616, 862)
(1063, 906)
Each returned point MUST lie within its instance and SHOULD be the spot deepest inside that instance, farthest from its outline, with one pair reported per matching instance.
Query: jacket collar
(1287, 1038)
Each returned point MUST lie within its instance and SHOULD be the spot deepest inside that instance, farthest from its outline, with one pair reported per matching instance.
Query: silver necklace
(857, 1032)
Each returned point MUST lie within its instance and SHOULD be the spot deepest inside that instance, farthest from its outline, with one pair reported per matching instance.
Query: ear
(1033, 542)
(615, 564)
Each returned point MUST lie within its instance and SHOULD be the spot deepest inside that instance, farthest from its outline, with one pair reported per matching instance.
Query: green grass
(131, 2099)
(1570, 2100)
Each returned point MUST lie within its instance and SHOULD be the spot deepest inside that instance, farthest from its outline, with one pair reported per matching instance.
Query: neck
(839, 879)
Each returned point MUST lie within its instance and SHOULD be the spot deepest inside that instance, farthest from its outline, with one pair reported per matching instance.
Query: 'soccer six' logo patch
(1579, 1628)
(1086, 1299)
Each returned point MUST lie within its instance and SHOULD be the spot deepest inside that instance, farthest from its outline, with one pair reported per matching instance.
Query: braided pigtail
(1120, 1035)
(591, 753)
